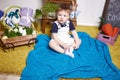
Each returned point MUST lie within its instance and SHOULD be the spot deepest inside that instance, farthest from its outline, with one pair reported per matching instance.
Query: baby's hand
(78, 44)
(65, 46)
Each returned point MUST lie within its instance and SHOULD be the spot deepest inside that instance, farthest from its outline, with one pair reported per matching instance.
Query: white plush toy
(12, 18)
(26, 17)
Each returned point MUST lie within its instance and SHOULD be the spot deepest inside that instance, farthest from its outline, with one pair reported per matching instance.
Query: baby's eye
(64, 15)
(59, 15)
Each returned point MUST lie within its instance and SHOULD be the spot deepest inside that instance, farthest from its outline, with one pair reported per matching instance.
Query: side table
(46, 22)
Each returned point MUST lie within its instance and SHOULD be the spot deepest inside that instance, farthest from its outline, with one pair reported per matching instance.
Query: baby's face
(63, 16)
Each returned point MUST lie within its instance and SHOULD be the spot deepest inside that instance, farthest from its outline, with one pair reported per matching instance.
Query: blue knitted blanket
(91, 60)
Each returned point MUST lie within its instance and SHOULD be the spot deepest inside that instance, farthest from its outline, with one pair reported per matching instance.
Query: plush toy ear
(115, 30)
(107, 29)
(16, 14)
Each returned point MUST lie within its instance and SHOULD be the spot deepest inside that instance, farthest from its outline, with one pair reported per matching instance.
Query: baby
(61, 40)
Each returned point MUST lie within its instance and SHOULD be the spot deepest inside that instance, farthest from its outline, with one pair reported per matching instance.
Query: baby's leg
(69, 52)
(73, 45)
(55, 46)
(76, 45)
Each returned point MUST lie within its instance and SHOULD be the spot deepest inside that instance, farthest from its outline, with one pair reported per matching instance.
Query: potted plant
(38, 14)
(49, 10)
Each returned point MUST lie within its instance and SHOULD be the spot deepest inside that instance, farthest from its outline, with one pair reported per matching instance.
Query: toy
(108, 34)
(26, 16)
(109, 30)
(108, 39)
(12, 18)
(16, 17)
(74, 12)
(1, 14)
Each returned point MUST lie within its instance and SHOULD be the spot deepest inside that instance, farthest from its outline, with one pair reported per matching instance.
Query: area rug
(92, 59)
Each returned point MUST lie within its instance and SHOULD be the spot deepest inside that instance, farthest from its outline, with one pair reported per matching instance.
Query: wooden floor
(9, 77)
(16, 77)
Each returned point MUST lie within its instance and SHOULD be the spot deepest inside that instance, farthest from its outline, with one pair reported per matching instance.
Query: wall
(91, 10)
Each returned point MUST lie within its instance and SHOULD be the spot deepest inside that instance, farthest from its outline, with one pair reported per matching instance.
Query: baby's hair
(64, 7)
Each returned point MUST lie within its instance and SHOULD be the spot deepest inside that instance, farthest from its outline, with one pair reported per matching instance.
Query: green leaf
(49, 7)
(29, 30)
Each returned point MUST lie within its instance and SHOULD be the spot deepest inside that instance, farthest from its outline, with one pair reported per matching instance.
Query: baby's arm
(76, 38)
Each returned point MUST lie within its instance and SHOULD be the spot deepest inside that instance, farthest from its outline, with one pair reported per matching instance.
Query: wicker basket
(19, 40)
